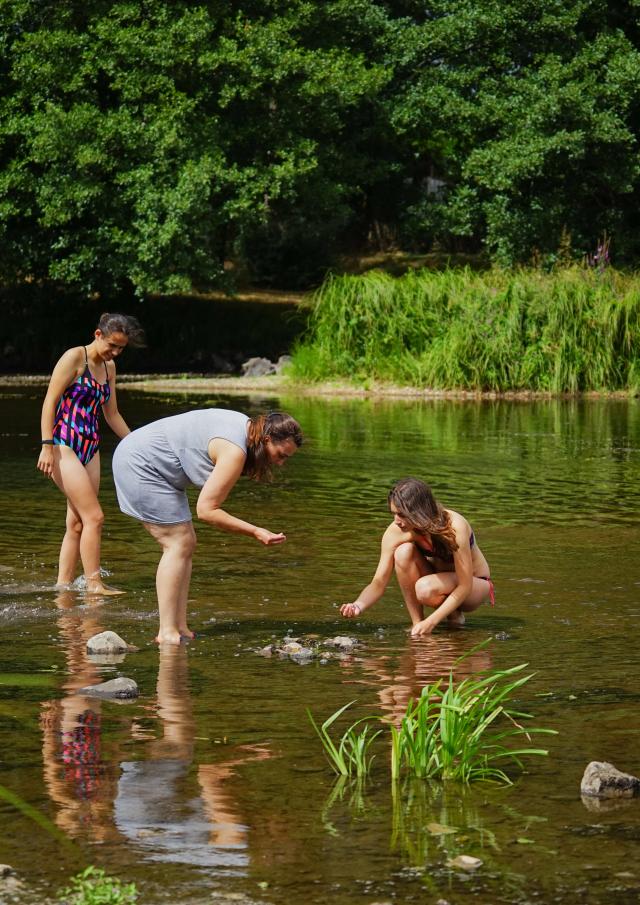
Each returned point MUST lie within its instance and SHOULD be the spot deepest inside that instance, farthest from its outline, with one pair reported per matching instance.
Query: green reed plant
(350, 756)
(574, 329)
(458, 731)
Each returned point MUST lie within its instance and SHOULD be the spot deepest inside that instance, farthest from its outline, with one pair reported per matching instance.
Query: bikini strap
(86, 360)
(106, 371)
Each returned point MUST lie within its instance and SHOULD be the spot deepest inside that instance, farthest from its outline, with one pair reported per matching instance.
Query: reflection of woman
(83, 382)
(210, 448)
(401, 679)
(154, 799)
(79, 777)
(436, 558)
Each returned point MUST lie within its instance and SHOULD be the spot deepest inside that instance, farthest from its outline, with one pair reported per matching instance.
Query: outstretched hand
(268, 538)
(350, 610)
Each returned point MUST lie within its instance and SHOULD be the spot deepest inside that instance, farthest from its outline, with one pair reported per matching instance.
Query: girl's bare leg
(173, 577)
(70, 548)
(410, 568)
(79, 484)
(433, 590)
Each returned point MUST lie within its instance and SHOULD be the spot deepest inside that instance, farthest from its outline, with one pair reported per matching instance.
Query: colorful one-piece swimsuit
(76, 421)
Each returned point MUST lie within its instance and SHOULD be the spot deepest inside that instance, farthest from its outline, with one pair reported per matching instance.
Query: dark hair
(122, 323)
(415, 502)
(279, 427)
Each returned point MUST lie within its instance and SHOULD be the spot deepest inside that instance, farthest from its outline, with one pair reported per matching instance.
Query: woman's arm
(111, 414)
(378, 584)
(68, 367)
(229, 461)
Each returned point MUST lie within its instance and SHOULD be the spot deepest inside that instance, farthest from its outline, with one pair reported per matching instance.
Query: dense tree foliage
(145, 142)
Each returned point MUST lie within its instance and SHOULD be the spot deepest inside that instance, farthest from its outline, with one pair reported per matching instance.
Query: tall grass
(566, 331)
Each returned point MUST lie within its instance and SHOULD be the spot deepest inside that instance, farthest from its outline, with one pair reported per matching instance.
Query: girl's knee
(404, 555)
(74, 524)
(94, 519)
(428, 591)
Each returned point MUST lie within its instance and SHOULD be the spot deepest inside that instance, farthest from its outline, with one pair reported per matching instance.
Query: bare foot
(187, 634)
(97, 589)
(168, 638)
(456, 619)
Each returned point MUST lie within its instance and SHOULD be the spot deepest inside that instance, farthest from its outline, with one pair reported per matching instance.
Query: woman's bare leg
(79, 484)
(433, 590)
(173, 577)
(410, 568)
(70, 548)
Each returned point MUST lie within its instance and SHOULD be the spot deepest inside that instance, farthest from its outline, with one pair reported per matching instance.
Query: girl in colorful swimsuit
(83, 382)
(436, 559)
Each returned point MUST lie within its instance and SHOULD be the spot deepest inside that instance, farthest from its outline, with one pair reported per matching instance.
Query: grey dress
(153, 465)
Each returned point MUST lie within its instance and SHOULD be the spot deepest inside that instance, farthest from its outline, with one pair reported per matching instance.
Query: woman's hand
(350, 610)
(45, 460)
(268, 538)
(422, 628)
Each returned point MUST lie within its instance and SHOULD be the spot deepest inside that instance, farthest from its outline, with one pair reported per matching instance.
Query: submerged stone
(343, 641)
(120, 688)
(465, 862)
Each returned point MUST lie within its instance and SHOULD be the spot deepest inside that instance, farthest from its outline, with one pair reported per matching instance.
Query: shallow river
(211, 786)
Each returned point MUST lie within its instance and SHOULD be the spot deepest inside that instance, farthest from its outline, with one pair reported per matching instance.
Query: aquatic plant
(350, 757)
(452, 731)
(574, 329)
(94, 887)
(458, 732)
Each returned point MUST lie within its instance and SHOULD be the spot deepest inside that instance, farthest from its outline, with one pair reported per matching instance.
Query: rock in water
(120, 688)
(603, 780)
(108, 643)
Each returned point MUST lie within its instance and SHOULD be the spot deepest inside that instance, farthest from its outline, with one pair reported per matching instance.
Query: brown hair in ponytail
(279, 427)
(415, 502)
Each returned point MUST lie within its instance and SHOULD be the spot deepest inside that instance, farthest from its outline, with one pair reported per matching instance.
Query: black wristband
(47, 443)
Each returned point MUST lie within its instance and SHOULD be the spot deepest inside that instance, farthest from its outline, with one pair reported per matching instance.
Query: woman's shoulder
(72, 360)
(394, 536)
(459, 523)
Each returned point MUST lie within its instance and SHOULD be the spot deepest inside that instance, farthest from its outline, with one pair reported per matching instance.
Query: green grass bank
(572, 330)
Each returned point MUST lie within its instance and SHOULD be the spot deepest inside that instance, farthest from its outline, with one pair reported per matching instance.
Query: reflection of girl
(82, 383)
(436, 558)
(210, 448)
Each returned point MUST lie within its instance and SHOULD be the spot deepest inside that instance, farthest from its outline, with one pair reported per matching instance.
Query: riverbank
(280, 385)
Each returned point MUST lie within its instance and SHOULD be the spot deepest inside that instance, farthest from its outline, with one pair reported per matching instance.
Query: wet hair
(415, 502)
(122, 323)
(279, 427)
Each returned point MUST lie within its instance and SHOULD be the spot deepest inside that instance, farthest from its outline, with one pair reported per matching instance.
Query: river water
(211, 786)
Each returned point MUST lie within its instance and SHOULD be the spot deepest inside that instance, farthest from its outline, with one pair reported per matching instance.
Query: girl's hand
(45, 460)
(268, 538)
(350, 610)
(421, 628)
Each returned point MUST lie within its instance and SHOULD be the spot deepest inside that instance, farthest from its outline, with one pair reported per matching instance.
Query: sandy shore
(278, 385)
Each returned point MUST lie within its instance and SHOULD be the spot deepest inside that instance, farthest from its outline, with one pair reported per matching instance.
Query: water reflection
(80, 777)
(400, 677)
(160, 807)
(172, 808)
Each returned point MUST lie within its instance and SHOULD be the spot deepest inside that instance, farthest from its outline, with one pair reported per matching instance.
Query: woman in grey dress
(211, 449)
